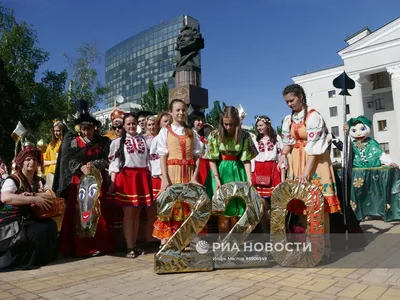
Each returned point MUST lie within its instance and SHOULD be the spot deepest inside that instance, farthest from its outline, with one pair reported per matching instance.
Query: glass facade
(145, 56)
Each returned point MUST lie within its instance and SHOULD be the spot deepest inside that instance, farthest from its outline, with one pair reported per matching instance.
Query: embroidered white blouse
(155, 165)
(135, 151)
(179, 130)
(317, 137)
(267, 151)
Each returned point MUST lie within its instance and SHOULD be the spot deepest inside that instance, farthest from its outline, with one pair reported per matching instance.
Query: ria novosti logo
(203, 247)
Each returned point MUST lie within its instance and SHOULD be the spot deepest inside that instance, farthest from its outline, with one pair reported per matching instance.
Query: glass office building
(149, 55)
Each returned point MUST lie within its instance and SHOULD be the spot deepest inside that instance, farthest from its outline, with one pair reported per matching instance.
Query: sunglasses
(118, 127)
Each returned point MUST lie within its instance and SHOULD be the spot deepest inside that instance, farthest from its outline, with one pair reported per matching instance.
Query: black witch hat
(84, 117)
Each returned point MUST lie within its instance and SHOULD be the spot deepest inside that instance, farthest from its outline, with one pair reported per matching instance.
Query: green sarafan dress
(367, 153)
(230, 158)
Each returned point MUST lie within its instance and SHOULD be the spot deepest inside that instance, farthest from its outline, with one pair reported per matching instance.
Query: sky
(252, 48)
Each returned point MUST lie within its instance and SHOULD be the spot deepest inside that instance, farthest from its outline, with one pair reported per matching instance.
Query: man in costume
(142, 117)
(364, 153)
(116, 117)
(81, 150)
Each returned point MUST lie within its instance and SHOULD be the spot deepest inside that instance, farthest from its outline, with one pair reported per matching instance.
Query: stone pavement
(359, 275)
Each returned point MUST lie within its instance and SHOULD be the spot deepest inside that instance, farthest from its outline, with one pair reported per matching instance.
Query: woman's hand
(394, 165)
(250, 182)
(165, 183)
(303, 178)
(217, 183)
(42, 202)
(282, 164)
(84, 169)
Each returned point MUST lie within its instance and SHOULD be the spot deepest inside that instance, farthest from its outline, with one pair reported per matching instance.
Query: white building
(104, 114)
(372, 59)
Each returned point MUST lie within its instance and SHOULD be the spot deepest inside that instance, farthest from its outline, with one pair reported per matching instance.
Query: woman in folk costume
(129, 181)
(230, 150)
(150, 126)
(265, 171)
(20, 193)
(196, 121)
(116, 122)
(79, 152)
(305, 137)
(163, 120)
(179, 148)
(50, 156)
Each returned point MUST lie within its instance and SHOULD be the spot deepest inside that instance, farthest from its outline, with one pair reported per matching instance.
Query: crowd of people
(145, 154)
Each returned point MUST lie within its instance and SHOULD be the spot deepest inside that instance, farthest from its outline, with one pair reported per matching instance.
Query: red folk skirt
(266, 168)
(155, 186)
(204, 168)
(132, 187)
(70, 243)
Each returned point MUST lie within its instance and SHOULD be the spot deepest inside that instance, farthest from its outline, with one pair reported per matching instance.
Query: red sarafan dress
(265, 164)
(82, 151)
(204, 164)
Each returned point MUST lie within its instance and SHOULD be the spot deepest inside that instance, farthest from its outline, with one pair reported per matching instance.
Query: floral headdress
(266, 120)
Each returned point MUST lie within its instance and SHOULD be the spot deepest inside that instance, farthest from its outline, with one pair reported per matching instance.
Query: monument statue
(189, 43)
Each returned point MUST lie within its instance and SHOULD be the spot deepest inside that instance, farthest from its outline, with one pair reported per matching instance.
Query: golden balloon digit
(170, 258)
(248, 221)
(309, 253)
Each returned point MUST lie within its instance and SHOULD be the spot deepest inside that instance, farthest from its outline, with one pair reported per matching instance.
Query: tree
(212, 117)
(20, 59)
(84, 78)
(279, 129)
(154, 100)
(20, 53)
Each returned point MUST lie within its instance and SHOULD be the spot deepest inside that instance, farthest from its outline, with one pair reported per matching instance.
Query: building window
(380, 80)
(335, 130)
(382, 125)
(379, 104)
(385, 147)
(332, 94)
(336, 153)
(333, 111)
(347, 109)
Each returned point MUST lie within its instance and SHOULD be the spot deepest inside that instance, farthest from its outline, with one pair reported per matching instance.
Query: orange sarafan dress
(308, 136)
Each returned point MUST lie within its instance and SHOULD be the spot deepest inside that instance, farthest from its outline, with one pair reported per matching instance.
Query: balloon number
(248, 221)
(171, 258)
(312, 249)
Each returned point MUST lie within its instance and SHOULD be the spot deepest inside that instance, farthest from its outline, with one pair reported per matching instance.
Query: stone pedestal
(195, 96)
(184, 78)
(188, 88)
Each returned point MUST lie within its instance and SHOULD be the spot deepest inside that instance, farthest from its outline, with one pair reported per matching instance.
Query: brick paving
(371, 274)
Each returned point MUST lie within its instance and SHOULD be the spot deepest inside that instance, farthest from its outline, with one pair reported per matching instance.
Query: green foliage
(212, 117)
(279, 129)
(154, 100)
(105, 127)
(84, 78)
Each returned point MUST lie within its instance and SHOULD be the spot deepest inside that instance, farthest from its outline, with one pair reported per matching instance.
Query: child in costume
(179, 149)
(266, 175)
(128, 170)
(230, 151)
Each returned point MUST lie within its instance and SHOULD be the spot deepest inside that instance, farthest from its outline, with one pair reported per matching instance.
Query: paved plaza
(371, 274)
